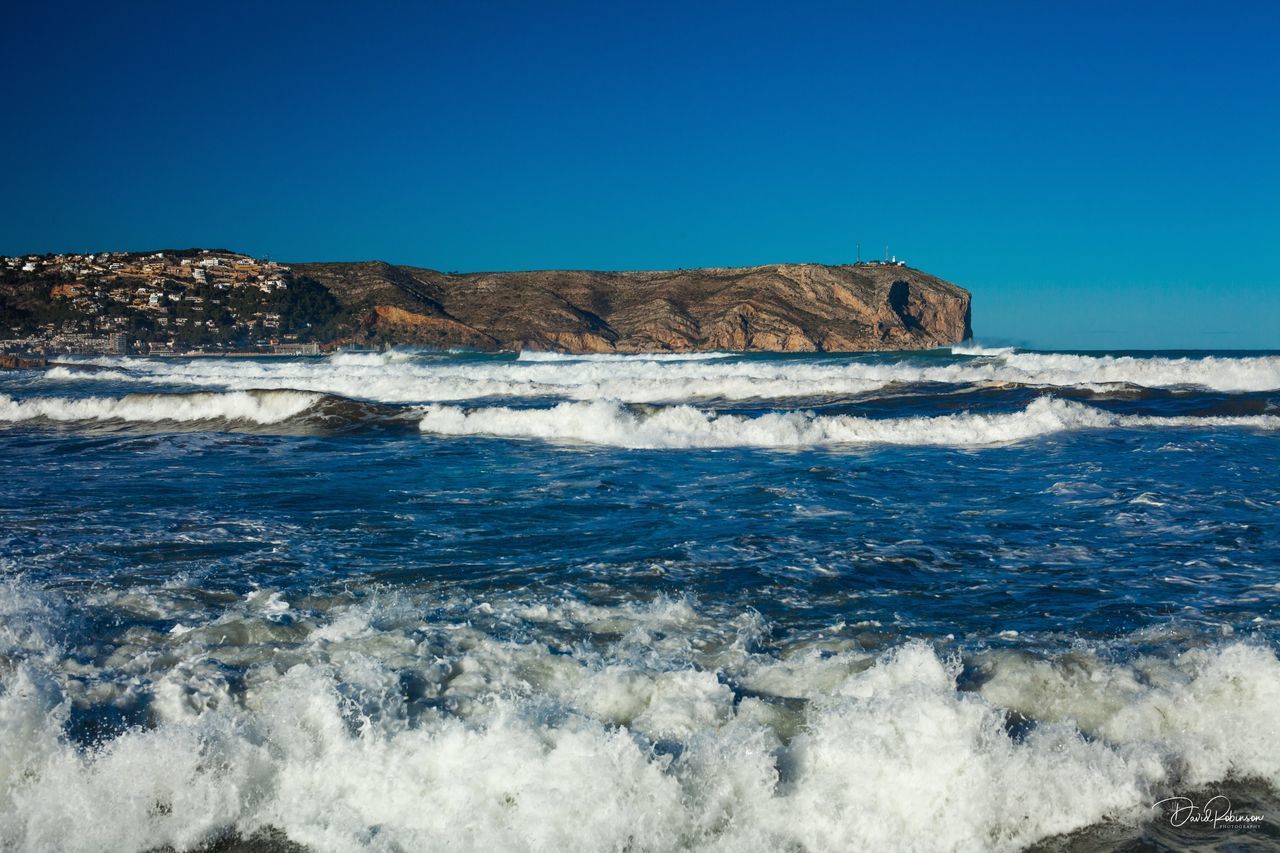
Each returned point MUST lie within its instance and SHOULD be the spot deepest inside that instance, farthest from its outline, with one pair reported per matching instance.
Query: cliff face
(776, 308)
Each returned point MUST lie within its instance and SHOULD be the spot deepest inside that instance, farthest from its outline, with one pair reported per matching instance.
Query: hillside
(774, 308)
(200, 300)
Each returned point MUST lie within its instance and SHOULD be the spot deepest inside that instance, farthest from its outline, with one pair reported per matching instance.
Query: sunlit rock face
(775, 308)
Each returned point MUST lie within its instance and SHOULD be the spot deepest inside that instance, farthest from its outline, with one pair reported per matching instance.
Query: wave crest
(408, 377)
(255, 406)
(613, 424)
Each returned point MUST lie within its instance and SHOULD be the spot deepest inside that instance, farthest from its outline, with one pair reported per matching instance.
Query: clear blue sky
(1098, 175)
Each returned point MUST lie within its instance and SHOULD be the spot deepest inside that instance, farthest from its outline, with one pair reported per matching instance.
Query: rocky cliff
(775, 308)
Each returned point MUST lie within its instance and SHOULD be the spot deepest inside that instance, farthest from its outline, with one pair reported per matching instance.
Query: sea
(965, 599)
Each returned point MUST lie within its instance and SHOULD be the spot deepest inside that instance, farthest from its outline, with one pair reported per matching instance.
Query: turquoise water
(969, 599)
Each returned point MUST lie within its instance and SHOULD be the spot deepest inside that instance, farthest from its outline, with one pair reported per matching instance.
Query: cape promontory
(216, 301)
(773, 308)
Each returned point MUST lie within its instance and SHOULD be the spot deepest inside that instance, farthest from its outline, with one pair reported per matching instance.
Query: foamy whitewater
(978, 599)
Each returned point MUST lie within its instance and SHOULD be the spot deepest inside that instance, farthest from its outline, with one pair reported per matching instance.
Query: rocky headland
(773, 308)
(216, 301)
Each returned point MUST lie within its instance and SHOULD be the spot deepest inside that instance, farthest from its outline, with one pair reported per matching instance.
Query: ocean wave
(1216, 373)
(977, 349)
(663, 727)
(363, 359)
(402, 377)
(604, 422)
(256, 406)
(612, 424)
(368, 377)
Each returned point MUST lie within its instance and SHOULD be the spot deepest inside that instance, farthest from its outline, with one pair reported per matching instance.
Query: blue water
(975, 600)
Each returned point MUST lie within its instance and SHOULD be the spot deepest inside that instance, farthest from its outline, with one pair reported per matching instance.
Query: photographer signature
(1216, 811)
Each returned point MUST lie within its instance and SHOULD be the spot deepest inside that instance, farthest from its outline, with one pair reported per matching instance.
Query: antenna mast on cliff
(886, 253)
(859, 253)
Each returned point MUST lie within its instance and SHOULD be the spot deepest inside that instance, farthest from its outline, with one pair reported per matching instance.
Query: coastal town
(197, 301)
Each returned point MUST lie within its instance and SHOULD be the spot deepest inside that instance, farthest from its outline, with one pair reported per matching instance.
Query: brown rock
(775, 308)
(13, 362)
(410, 327)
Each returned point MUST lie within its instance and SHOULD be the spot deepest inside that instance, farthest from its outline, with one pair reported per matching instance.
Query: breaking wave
(976, 349)
(259, 407)
(1215, 373)
(371, 725)
(602, 422)
(363, 359)
(409, 377)
(628, 379)
(613, 424)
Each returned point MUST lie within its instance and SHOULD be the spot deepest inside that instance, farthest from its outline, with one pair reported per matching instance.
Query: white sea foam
(1256, 373)
(407, 377)
(373, 377)
(366, 726)
(686, 427)
(1201, 706)
(261, 407)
